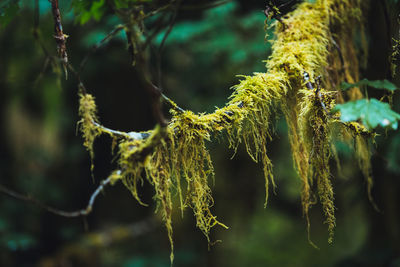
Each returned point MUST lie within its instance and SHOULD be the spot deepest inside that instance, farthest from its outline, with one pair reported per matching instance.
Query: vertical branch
(59, 36)
(155, 94)
(388, 32)
(140, 62)
(160, 49)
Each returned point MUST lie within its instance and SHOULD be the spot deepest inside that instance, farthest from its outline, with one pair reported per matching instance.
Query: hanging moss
(175, 160)
(88, 114)
(361, 138)
(315, 132)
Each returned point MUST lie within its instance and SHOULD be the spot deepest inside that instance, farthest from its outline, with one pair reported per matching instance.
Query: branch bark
(59, 35)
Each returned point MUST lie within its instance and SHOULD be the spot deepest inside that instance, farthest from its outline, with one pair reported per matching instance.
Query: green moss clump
(88, 114)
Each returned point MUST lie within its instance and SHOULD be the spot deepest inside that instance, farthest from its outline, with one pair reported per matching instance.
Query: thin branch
(160, 49)
(155, 94)
(69, 214)
(318, 94)
(204, 6)
(41, 74)
(81, 86)
(129, 135)
(140, 64)
(109, 36)
(35, 31)
(49, 58)
(154, 12)
(170, 26)
(59, 36)
(172, 103)
(388, 31)
(157, 26)
(337, 47)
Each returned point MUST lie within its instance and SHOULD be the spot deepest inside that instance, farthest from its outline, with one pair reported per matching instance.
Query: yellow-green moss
(175, 159)
(88, 114)
(315, 131)
(358, 135)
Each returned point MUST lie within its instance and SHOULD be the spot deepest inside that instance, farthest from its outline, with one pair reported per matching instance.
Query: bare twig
(306, 78)
(144, 77)
(319, 95)
(204, 6)
(170, 26)
(129, 135)
(70, 214)
(337, 47)
(158, 25)
(109, 36)
(160, 49)
(81, 86)
(59, 36)
(388, 32)
(163, 8)
(49, 58)
(155, 94)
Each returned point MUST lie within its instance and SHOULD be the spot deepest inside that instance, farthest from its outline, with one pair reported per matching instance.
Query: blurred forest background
(41, 154)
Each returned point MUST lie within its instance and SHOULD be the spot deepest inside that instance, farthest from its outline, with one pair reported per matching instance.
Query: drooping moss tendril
(175, 160)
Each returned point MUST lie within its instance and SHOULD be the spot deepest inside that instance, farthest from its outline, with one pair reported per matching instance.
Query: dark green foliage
(8, 9)
(220, 33)
(86, 10)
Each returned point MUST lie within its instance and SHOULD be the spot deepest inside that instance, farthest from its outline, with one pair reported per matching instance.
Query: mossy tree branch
(174, 156)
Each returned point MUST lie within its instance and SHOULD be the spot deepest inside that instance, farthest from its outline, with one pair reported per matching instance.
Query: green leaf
(87, 10)
(378, 84)
(371, 113)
